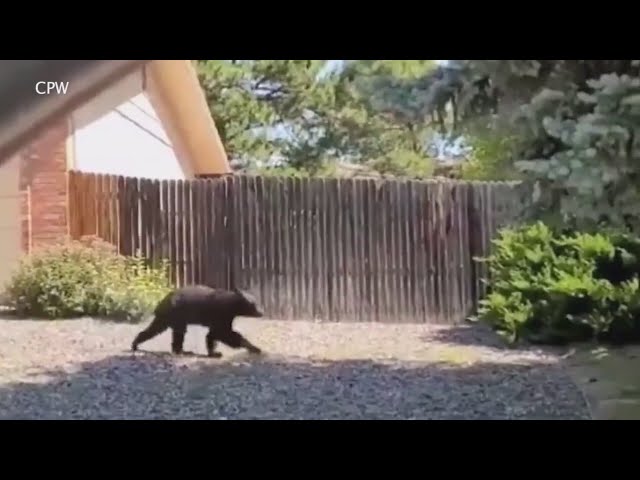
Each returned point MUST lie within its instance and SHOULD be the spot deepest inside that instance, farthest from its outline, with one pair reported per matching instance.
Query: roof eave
(177, 96)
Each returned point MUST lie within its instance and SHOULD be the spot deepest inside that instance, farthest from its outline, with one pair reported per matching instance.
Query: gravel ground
(82, 369)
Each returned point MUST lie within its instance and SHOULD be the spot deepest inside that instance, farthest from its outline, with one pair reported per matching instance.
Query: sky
(332, 66)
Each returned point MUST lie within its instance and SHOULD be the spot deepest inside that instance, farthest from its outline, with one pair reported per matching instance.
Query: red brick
(44, 171)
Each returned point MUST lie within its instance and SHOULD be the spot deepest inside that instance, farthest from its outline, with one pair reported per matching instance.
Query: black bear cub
(201, 305)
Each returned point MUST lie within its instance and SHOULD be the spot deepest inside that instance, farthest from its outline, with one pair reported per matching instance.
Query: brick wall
(43, 176)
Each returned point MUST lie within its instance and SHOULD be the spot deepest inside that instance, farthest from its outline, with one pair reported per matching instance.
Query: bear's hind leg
(210, 341)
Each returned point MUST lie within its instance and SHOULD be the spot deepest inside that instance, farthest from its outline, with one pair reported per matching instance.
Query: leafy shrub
(400, 163)
(85, 277)
(492, 151)
(404, 164)
(552, 287)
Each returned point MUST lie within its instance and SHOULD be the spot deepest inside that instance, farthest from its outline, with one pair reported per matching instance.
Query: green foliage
(491, 157)
(247, 97)
(590, 174)
(387, 90)
(577, 123)
(279, 171)
(291, 110)
(85, 278)
(404, 164)
(553, 287)
(398, 164)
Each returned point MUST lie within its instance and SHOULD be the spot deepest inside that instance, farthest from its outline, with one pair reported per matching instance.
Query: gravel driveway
(82, 369)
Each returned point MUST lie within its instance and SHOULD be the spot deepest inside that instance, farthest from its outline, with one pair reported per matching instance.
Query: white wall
(119, 133)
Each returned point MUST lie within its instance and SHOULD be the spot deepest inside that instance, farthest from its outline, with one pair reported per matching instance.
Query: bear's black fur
(206, 306)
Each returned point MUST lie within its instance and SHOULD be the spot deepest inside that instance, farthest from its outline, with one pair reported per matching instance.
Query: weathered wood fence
(330, 249)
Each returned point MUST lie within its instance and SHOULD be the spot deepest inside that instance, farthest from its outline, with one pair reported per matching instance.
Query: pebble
(82, 370)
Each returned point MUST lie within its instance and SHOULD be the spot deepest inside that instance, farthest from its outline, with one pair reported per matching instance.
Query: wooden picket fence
(322, 248)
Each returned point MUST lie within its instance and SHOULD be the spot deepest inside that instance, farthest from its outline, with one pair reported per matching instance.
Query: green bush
(404, 163)
(491, 157)
(552, 287)
(85, 278)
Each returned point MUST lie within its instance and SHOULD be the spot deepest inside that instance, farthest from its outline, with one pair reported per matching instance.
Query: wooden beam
(177, 96)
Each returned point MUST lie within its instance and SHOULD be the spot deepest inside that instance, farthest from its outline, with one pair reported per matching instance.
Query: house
(153, 123)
